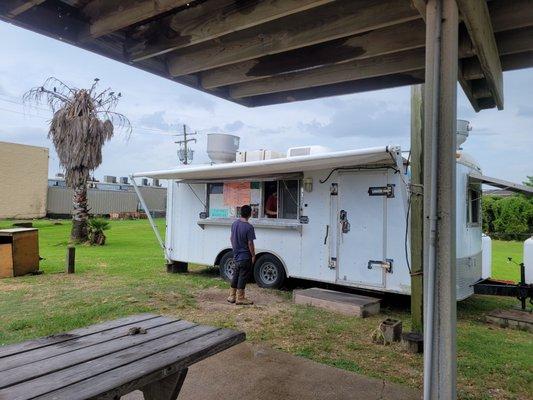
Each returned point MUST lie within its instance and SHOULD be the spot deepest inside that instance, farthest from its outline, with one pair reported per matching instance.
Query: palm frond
(81, 124)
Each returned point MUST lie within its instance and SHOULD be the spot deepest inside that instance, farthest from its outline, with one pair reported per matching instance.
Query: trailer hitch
(521, 290)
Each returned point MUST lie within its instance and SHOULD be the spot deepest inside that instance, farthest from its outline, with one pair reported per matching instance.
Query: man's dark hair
(246, 211)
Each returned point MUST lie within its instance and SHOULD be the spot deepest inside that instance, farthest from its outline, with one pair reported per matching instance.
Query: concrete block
(514, 319)
(413, 342)
(344, 303)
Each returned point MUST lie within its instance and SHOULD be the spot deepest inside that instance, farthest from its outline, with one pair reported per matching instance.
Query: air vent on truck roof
(306, 150)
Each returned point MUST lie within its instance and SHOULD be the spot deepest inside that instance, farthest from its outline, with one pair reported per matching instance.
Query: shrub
(96, 227)
(507, 218)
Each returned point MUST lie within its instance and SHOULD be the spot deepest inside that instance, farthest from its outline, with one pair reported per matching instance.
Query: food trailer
(341, 217)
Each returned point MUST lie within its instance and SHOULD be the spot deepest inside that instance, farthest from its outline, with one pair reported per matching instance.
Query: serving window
(269, 199)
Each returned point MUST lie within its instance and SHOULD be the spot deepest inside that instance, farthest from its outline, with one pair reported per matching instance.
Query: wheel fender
(220, 255)
(262, 252)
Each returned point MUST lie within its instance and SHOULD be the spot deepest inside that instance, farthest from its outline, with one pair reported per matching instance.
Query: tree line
(508, 218)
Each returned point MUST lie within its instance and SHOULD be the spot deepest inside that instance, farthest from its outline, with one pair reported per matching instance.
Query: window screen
(289, 199)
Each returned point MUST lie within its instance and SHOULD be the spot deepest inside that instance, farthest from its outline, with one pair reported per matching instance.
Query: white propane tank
(222, 148)
(528, 259)
(486, 256)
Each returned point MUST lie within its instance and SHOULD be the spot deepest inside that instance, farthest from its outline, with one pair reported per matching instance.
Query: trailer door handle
(345, 224)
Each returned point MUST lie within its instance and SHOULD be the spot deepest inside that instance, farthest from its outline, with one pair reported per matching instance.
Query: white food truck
(341, 216)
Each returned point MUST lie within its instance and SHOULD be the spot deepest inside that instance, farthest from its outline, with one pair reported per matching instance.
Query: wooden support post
(70, 261)
(416, 221)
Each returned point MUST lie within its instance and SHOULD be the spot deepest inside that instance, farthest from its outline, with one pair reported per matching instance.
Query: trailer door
(361, 223)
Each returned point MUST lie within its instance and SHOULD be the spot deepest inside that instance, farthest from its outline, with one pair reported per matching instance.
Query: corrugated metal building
(104, 202)
(23, 174)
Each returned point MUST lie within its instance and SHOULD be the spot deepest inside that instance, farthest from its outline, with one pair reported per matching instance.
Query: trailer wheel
(269, 272)
(227, 266)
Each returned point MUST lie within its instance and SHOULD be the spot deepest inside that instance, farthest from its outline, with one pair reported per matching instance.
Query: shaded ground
(127, 276)
(256, 372)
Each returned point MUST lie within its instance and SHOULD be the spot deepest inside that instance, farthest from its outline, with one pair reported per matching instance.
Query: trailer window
(474, 206)
(224, 200)
(281, 199)
(289, 199)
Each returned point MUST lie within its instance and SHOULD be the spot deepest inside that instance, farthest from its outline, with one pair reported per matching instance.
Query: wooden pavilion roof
(261, 52)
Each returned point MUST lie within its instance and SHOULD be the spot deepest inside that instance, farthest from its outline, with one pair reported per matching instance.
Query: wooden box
(19, 251)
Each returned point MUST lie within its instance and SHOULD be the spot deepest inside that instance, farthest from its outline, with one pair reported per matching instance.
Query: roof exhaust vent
(463, 127)
(222, 148)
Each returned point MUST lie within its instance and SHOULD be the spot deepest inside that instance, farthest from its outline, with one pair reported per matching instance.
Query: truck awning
(500, 183)
(386, 156)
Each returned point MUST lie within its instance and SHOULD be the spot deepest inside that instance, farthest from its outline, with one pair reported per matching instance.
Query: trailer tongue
(521, 290)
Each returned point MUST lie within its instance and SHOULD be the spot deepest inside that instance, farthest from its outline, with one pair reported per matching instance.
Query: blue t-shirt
(241, 232)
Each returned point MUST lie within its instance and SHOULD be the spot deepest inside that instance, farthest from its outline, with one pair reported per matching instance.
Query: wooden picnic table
(105, 361)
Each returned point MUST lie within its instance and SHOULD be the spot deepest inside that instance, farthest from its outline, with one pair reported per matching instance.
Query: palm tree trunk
(80, 214)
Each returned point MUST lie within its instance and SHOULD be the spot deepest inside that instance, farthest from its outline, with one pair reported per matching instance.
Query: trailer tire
(227, 266)
(269, 272)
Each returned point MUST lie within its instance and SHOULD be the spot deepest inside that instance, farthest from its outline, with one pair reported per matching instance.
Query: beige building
(23, 180)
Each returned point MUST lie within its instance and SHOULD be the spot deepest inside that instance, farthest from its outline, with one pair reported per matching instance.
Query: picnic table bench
(106, 361)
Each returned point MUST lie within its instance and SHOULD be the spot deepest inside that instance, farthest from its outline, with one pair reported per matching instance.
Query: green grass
(127, 276)
(501, 267)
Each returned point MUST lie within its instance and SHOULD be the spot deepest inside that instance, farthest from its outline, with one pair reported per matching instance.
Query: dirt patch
(214, 299)
(13, 286)
(212, 302)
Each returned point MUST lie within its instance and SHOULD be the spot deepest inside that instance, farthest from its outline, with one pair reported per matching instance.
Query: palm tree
(83, 120)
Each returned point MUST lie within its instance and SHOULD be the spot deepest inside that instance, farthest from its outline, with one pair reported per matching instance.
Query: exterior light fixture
(308, 184)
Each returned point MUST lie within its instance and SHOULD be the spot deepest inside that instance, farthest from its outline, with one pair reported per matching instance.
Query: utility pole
(183, 151)
(416, 201)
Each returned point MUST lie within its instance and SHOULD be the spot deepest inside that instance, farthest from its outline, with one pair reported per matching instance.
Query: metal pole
(439, 200)
(150, 219)
(185, 143)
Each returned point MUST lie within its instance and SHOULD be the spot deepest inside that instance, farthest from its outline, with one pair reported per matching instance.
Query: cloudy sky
(502, 141)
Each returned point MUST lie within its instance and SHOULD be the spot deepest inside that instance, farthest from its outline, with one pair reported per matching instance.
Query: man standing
(242, 242)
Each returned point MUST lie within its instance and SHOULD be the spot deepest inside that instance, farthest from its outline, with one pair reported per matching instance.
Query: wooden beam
(416, 202)
(108, 16)
(420, 6)
(513, 62)
(354, 70)
(330, 22)
(395, 38)
(212, 19)
(507, 15)
(508, 43)
(16, 7)
(362, 85)
(406, 36)
(477, 20)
